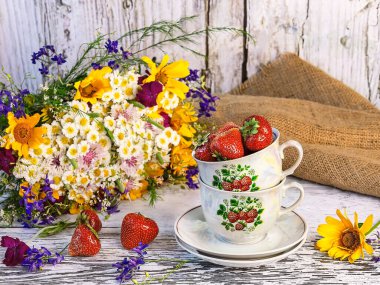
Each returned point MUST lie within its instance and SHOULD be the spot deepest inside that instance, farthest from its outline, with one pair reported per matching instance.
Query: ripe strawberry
(242, 215)
(239, 227)
(228, 145)
(257, 133)
(92, 218)
(137, 228)
(233, 217)
(249, 220)
(246, 181)
(252, 214)
(227, 126)
(84, 242)
(204, 153)
(236, 184)
(245, 187)
(227, 186)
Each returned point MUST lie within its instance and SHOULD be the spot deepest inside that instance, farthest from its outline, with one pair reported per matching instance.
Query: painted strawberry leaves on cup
(235, 178)
(241, 213)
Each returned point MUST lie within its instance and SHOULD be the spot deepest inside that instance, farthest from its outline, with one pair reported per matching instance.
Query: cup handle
(299, 148)
(296, 203)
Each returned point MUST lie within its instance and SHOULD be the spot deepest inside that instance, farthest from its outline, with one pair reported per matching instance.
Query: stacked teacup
(242, 197)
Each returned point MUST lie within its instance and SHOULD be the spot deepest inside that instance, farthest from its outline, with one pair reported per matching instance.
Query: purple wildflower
(36, 258)
(130, 266)
(16, 249)
(111, 46)
(113, 64)
(59, 59)
(206, 100)
(193, 76)
(126, 54)
(7, 160)
(190, 173)
(96, 65)
(376, 259)
(148, 94)
(44, 70)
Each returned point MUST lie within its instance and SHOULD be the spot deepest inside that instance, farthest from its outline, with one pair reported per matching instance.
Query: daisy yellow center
(22, 133)
(350, 239)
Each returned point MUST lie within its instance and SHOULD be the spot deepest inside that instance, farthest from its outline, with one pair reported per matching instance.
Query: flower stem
(154, 123)
(373, 228)
(64, 248)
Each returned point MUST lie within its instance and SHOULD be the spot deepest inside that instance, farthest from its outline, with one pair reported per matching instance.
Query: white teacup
(264, 167)
(245, 217)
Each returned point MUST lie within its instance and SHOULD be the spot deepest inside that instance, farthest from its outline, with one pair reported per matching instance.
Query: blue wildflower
(36, 258)
(190, 173)
(130, 266)
(59, 59)
(111, 46)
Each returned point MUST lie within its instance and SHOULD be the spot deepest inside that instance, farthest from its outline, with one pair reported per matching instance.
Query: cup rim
(274, 130)
(244, 193)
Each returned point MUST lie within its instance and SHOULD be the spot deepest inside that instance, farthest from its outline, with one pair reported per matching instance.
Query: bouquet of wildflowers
(114, 126)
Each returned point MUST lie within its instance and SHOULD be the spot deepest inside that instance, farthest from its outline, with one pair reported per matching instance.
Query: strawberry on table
(228, 145)
(257, 133)
(91, 217)
(84, 242)
(137, 228)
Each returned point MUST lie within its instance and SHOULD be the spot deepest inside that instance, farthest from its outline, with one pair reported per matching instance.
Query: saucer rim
(250, 262)
(237, 256)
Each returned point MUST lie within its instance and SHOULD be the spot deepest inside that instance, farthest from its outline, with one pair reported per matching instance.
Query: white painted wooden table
(306, 266)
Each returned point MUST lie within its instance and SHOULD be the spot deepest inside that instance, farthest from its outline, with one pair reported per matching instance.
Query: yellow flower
(136, 193)
(153, 169)
(24, 134)
(181, 159)
(343, 239)
(46, 115)
(182, 118)
(168, 73)
(93, 86)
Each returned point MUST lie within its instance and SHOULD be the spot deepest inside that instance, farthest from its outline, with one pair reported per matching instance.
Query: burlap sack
(338, 128)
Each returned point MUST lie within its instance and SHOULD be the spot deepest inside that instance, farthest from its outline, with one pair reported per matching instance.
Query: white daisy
(69, 130)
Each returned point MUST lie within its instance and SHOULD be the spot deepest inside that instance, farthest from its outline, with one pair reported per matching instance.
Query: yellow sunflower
(343, 239)
(93, 86)
(168, 73)
(23, 134)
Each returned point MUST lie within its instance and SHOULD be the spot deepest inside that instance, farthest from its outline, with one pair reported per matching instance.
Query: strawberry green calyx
(84, 220)
(250, 127)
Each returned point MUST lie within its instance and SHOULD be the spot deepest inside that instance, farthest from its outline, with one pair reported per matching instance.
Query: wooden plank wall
(341, 36)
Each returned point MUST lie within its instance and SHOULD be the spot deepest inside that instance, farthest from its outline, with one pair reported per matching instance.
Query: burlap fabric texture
(338, 128)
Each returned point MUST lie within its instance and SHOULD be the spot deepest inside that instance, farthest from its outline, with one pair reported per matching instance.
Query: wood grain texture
(307, 266)
(341, 37)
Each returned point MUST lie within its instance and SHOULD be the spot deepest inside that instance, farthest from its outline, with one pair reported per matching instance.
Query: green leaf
(225, 172)
(216, 178)
(215, 183)
(219, 213)
(260, 211)
(222, 207)
(234, 202)
(225, 216)
(249, 200)
(227, 227)
(254, 178)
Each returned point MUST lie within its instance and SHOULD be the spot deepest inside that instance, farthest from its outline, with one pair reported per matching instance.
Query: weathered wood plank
(225, 52)
(306, 266)
(341, 37)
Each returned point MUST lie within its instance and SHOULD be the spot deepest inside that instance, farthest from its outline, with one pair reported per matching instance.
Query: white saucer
(240, 262)
(192, 229)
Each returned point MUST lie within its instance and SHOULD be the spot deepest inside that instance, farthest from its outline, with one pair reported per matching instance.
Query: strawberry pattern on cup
(241, 213)
(235, 178)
